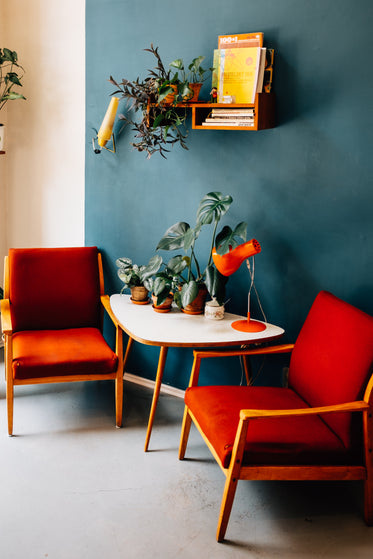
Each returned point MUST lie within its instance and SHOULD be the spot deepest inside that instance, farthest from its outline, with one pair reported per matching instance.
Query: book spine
(229, 119)
(232, 123)
(216, 112)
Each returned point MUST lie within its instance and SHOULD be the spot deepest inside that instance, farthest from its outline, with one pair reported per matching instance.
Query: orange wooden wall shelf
(264, 113)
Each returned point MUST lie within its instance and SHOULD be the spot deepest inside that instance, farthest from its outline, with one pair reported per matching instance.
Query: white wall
(43, 175)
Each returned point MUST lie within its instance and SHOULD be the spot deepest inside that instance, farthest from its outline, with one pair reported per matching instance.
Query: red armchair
(320, 427)
(52, 315)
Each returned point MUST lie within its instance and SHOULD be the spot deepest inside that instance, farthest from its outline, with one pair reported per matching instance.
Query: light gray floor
(75, 487)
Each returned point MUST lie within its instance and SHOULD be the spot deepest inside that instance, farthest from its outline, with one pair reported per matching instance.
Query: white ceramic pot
(213, 310)
(2, 130)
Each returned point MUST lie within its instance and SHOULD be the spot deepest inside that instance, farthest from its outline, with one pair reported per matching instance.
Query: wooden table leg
(127, 354)
(157, 388)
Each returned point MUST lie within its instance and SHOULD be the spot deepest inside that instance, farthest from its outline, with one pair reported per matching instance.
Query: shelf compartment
(264, 113)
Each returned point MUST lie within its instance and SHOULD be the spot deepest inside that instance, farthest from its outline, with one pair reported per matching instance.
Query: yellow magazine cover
(236, 74)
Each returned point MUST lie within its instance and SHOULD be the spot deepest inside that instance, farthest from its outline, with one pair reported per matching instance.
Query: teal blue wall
(304, 187)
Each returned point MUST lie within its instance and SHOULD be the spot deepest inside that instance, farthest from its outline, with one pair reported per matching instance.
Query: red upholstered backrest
(54, 288)
(332, 359)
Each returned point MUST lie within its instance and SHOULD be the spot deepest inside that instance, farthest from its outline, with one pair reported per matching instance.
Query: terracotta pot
(198, 305)
(165, 306)
(139, 294)
(196, 88)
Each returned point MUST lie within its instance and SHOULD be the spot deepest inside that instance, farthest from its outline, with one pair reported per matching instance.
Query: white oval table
(177, 329)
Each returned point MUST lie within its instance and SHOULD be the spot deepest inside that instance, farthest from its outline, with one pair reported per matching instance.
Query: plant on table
(181, 236)
(134, 276)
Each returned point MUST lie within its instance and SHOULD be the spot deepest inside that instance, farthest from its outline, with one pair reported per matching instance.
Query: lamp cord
(251, 269)
(253, 286)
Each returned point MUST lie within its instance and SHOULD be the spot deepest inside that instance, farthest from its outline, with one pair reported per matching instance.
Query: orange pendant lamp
(228, 264)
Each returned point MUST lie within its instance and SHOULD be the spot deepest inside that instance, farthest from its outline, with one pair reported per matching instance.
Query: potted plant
(157, 98)
(139, 279)
(181, 235)
(193, 79)
(166, 282)
(11, 74)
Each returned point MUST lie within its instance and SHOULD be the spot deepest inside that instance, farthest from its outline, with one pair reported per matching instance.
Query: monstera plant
(181, 236)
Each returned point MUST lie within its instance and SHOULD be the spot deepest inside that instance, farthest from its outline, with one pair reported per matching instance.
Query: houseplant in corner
(11, 74)
(139, 279)
(181, 236)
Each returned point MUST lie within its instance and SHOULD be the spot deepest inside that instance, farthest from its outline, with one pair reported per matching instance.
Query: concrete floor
(75, 487)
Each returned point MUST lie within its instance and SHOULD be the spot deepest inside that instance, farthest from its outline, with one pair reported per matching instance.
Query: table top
(177, 329)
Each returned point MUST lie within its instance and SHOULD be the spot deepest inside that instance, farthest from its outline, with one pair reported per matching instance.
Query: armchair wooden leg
(119, 379)
(119, 400)
(226, 505)
(185, 429)
(233, 475)
(9, 402)
(368, 501)
(368, 483)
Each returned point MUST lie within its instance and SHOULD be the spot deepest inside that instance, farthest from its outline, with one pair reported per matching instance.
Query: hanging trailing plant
(156, 99)
(11, 74)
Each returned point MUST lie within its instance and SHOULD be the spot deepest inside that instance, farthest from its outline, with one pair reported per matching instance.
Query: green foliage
(133, 275)
(161, 124)
(10, 76)
(181, 236)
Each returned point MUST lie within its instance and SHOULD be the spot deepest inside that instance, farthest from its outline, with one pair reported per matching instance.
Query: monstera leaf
(212, 207)
(226, 239)
(179, 235)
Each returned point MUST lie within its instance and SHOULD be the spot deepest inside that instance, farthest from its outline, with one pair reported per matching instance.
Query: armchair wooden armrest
(359, 405)
(105, 300)
(198, 355)
(6, 318)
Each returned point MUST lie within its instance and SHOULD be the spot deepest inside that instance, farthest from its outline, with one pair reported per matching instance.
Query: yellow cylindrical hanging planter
(106, 129)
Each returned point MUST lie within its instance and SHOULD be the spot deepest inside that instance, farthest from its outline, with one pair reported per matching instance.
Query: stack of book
(230, 117)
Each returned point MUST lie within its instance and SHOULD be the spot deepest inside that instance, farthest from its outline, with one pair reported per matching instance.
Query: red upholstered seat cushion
(298, 440)
(43, 353)
(54, 288)
(332, 359)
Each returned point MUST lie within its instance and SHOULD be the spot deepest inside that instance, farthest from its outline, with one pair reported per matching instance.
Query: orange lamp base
(248, 325)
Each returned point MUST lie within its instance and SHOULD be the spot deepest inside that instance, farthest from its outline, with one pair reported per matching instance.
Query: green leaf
(157, 121)
(10, 55)
(177, 265)
(174, 237)
(177, 299)
(212, 207)
(189, 292)
(123, 262)
(215, 283)
(178, 63)
(226, 239)
(13, 77)
(12, 96)
(152, 267)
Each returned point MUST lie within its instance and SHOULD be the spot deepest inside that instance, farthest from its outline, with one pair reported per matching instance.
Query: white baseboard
(165, 388)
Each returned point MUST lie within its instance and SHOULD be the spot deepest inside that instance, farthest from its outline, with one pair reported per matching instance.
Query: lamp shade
(106, 128)
(228, 263)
